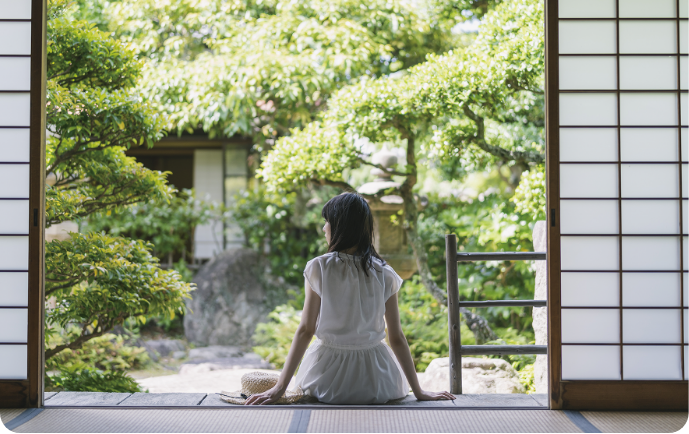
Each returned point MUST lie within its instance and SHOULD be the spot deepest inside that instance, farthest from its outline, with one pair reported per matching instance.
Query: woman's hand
(433, 396)
(268, 397)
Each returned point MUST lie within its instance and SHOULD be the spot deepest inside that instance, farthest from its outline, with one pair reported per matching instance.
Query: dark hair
(351, 224)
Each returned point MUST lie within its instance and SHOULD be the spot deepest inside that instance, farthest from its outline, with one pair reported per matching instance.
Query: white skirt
(337, 374)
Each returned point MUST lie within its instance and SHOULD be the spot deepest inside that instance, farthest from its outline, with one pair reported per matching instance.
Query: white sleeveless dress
(349, 363)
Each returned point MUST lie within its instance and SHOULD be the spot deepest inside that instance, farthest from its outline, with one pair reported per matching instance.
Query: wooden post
(453, 314)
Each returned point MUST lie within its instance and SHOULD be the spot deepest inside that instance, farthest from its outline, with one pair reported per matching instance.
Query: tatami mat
(154, 421)
(620, 421)
(458, 421)
(8, 414)
(59, 420)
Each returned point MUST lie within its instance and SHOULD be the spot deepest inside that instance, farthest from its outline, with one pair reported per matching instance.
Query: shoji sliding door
(617, 187)
(22, 134)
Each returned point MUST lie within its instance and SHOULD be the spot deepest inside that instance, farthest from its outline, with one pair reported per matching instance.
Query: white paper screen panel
(15, 9)
(14, 181)
(14, 109)
(588, 73)
(620, 229)
(588, 144)
(648, 37)
(648, 144)
(15, 38)
(589, 253)
(589, 217)
(589, 362)
(651, 326)
(587, 37)
(648, 108)
(586, 8)
(648, 8)
(685, 177)
(15, 73)
(683, 71)
(650, 217)
(14, 325)
(588, 180)
(648, 72)
(14, 217)
(588, 109)
(14, 145)
(650, 289)
(683, 37)
(590, 289)
(14, 253)
(685, 107)
(650, 253)
(13, 362)
(650, 180)
(652, 362)
(590, 326)
(14, 289)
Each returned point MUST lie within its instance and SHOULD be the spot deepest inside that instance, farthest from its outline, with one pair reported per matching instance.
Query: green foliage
(285, 229)
(168, 225)
(486, 224)
(274, 338)
(106, 353)
(424, 323)
(526, 377)
(529, 197)
(93, 115)
(477, 94)
(260, 68)
(91, 380)
(99, 281)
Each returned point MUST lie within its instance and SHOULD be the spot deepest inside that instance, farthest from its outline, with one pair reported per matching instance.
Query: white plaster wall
(208, 180)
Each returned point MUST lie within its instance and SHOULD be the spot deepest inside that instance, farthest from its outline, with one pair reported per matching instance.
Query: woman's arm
(302, 339)
(399, 346)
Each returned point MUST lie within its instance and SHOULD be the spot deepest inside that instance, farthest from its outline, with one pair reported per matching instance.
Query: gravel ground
(203, 382)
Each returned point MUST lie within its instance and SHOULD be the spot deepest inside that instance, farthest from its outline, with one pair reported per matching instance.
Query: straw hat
(258, 382)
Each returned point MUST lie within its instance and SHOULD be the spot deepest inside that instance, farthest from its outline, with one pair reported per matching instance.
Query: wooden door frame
(29, 393)
(582, 395)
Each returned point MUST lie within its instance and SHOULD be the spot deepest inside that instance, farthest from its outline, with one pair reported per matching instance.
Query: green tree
(260, 68)
(466, 110)
(168, 224)
(93, 116)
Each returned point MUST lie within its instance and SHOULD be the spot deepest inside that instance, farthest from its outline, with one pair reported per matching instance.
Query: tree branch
(339, 184)
(480, 141)
(384, 169)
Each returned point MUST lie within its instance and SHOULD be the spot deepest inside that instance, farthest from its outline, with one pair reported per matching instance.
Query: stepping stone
(163, 400)
(86, 399)
(48, 395)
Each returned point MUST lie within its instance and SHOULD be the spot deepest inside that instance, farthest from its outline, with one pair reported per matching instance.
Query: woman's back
(352, 301)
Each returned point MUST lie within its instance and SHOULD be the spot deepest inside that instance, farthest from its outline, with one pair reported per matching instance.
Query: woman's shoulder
(321, 260)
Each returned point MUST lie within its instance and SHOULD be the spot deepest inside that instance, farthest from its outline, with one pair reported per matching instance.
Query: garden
(452, 89)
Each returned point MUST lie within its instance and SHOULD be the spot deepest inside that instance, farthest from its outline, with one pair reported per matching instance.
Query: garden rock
(213, 352)
(163, 347)
(245, 361)
(478, 376)
(229, 300)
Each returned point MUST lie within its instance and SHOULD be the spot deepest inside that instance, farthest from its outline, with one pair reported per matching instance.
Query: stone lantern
(390, 238)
